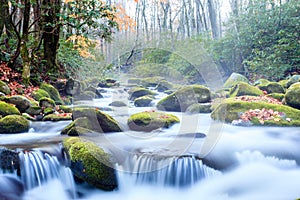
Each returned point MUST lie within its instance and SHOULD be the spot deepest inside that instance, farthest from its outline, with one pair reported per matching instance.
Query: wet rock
(118, 104)
(90, 163)
(139, 92)
(199, 108)
(143, 101)
(11, 187)
(14, 124)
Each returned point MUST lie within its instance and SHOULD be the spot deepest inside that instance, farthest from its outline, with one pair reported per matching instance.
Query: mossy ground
(151, 120)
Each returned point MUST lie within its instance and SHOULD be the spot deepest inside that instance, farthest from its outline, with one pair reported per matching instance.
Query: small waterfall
(174, 171)
(37, 168)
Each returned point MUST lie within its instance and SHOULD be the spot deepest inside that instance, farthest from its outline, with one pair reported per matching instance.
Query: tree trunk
(213, 19)
(51, 30)
(2, 15)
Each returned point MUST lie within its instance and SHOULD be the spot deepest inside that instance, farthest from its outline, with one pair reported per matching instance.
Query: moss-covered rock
(53, 92)
(292, 96)
(180, 100)
(241, 89)
(292, 80)
(46, 103)
(34, 110)
(231, 109)
(90, 163)
(22, 103)
(199, 108)
(163, 86)
(143, 101)
(8, 109)
(82, 122)
(150, 120)
(4, 88)
(14, 124)
(261, 81)
(271, 87)
(101, 122)
(40, 93)
(284, 83)
(48, 111)
(57, 117)
(139, 92)
(234, 79)
(118, 104)
(278, 96)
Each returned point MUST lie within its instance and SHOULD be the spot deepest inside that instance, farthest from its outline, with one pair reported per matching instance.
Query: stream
(195, 159)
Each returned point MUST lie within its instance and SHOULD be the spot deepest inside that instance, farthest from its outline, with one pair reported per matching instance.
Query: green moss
(4, 88)
(272, 87)
(34, 110)
(143, 101)
(139, 92)
(283, 83)
(234, 79)
(90, 163)
(278, 96)
(40, 93)
(52, 91)
(261, 82)
(148, 121)
(101, 122)
(180, 100)
(241, 89)
(14, 124)
(65, 109)
(48, 111)
(82, 122)
(231, 109)
(292, 96)
(56, 117)
(8, 109)
(45, 102)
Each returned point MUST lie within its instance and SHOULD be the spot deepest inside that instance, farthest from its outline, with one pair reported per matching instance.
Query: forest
(47, 40)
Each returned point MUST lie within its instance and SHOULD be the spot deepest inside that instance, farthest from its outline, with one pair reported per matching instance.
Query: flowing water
(196, 159)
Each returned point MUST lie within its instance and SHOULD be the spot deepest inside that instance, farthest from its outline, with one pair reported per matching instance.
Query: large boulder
(272, 87)
(100, 121)
(150, 120)
(143, 101)
(292, 80)
(90, 163)
(78, 127)
(8, 109)
(22, 103)
(233, 79)
(139, 92)
(241, 89)
(180, 100)
(14, 124)
(292, 96)
(4, 88)
(256, 112)
(53, 92)
(163, 86)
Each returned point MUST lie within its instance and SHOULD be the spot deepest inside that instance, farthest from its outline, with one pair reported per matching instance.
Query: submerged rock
(11, 187)
(14, 124)
(150, 120)
(8, 109)
(180, 100)
(91, 164)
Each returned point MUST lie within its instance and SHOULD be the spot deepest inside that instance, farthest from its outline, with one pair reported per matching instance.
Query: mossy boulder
(8, 109)
(53, 92)
(4, 88)
(118, 104)
(139, 92)
(241, 89)
(272, 87)
(261, 81)
(199, 108)
(46, 103)
(40, 93)
(284, 83)
(14, 124)
(278, 96)
(150, 120)
(65, 109)
(292, 80)
(231, 109)
(90, 163)
(163, 86)
(100, 121)
(22, 103)
(34, 110)
(292, 96)
(233, 79)
(57, 117)
(143, 101)
(82, 122)
(180, 100)
(152, 81)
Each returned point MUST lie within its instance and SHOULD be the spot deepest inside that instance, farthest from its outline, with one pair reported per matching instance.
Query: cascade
(172, 171)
